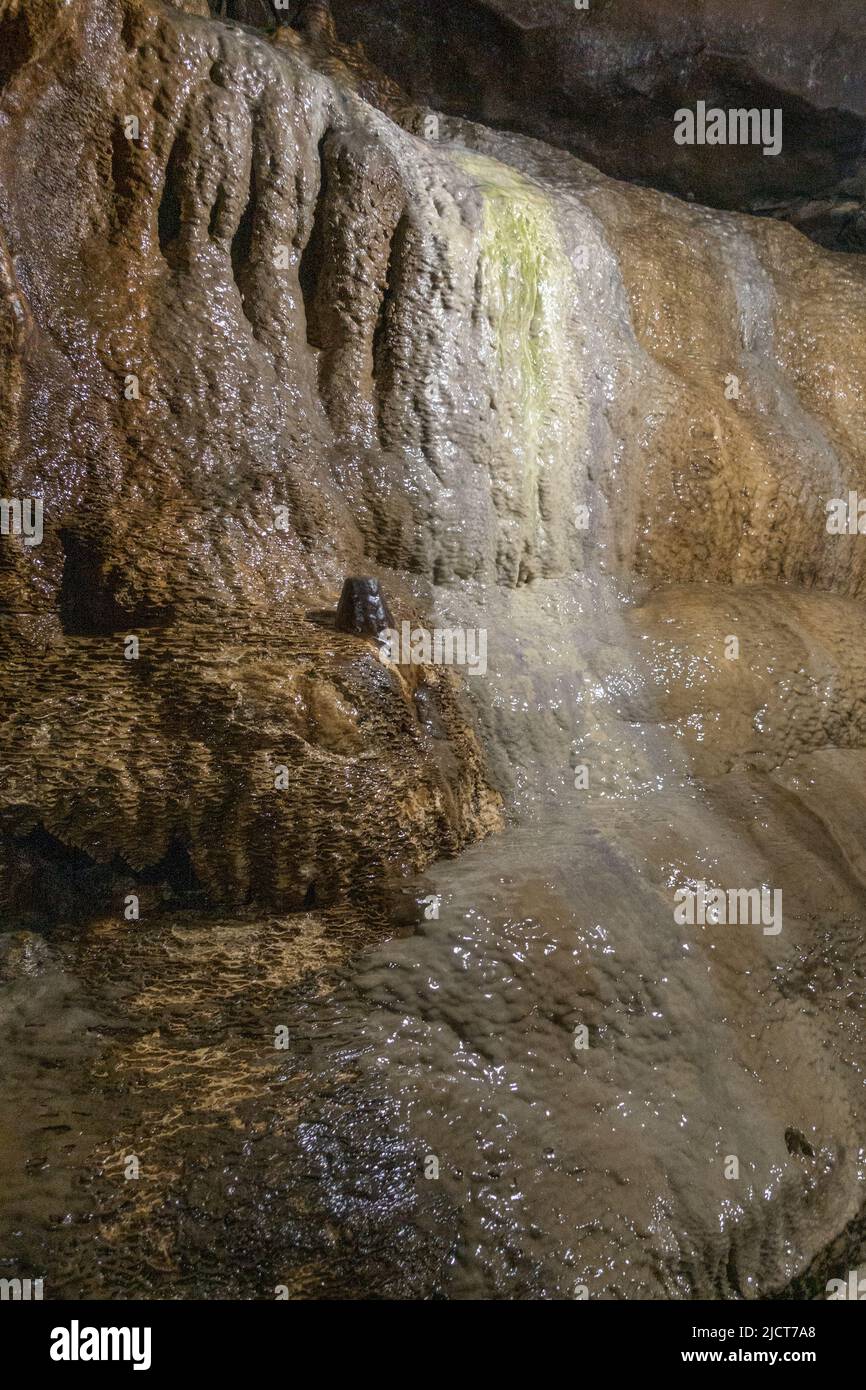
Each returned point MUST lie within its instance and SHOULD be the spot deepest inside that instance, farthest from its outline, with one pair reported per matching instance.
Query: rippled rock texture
(261, 333)
(169, 317)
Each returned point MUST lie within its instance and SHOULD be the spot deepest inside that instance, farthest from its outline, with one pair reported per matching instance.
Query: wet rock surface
(21, 953)
(270, 335)
(197, 500)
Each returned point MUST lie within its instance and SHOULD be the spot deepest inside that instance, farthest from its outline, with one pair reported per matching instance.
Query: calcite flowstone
(258, 336)
(161, 184)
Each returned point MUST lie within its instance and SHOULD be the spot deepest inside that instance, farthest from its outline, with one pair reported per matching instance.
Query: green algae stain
(525, 287)
(524, 293)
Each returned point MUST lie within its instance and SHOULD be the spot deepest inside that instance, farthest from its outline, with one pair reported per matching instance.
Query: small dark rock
(797, 1143)
(362, 610)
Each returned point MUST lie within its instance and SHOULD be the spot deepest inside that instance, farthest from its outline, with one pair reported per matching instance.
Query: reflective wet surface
(536, 1093)
(284, 340)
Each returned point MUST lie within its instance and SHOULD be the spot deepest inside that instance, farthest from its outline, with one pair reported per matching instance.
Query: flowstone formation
(162, 207)
(262, 333)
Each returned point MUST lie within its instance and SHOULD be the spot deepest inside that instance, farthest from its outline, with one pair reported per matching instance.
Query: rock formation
(604, 80)
(268, 320)
(169, 319)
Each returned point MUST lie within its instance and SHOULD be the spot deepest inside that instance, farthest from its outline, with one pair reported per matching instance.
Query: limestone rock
(257, 335)
(362, 608)
(162, 399)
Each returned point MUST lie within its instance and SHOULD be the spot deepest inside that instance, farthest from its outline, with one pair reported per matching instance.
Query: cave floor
(534, 1093)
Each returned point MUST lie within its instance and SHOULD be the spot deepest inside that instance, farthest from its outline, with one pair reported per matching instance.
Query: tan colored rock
(164, 405)
(602, 426)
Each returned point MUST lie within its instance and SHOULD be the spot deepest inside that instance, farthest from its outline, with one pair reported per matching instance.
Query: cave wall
(467, 364)
(161, 400)
(600, 422)
(605, 80)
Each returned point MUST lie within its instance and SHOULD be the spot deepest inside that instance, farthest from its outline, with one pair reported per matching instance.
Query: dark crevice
(217, 212)
(175, 869)
(732, 1272)
(48, 882)
(383, 367)
(797, 1143)
(88, 607)
(258, 14)
(168, 217)
(313, 256)
(57, 882)
(242, 241)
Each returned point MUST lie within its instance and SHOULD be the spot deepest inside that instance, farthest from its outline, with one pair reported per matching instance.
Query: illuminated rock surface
(598, 423)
